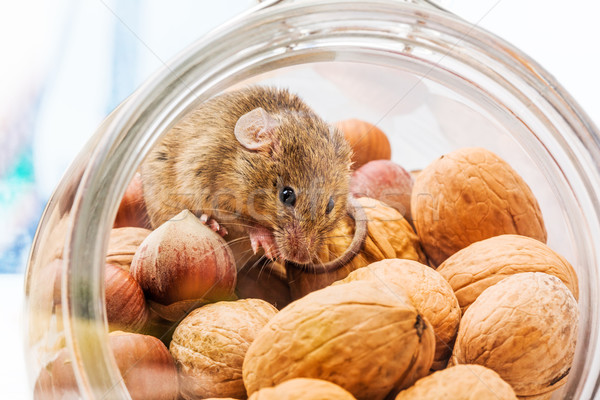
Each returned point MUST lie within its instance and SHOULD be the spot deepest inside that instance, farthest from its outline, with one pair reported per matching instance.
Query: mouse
(259, 166)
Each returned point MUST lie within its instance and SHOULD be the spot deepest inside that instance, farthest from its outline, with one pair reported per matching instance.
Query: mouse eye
(330, 205)
(287, 196)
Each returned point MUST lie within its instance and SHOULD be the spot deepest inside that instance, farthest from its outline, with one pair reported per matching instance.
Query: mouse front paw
(263, 237)
(213, 224)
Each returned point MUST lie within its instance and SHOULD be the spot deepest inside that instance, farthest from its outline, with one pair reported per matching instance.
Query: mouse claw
(254, 243)
(213, 224)
(269, 248)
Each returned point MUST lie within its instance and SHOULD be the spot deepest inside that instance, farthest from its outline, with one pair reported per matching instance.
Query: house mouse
(256, 165)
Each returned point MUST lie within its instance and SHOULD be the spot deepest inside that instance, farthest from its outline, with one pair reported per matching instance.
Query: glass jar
(432, 81)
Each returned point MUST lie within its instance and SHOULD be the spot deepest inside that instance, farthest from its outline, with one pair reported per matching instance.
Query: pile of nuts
(454, 295)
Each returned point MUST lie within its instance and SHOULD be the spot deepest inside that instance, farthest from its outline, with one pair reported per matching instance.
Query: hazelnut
(132, 209)
(126, 307)
(183, 264)
(264, 281)
(368, 142)
(146, 366)
(386, 181)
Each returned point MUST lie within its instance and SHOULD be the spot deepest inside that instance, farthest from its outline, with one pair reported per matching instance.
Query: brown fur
(200, 166)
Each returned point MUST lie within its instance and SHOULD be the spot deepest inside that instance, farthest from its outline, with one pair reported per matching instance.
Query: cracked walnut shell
(469, 195)
(389, 235)
(525, 329)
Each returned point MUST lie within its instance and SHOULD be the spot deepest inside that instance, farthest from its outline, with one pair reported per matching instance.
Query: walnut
(470, 195)
(484, 263)
(122, 245)
(389, 236)
(359, 335)
(303, 388)
(428, 291)
(525, 329)
(209, 346)
(461, 382)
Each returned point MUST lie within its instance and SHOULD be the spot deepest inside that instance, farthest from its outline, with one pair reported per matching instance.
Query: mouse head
(304, 179)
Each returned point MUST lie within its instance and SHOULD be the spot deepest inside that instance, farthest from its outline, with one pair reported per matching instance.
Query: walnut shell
(303, 389)
(461, 382)
(389, 236)
(209, 346)
(359, 335)
(428, 291)
(122, 245)
(484, 263)
(545, 396)
(470, 195)
(398, 232)
(368, 142)
(524, 328)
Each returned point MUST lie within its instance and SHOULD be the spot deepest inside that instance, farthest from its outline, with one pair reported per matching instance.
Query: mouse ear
(254, 130)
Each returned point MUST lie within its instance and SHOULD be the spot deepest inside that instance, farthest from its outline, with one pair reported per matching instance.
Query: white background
(561, 36)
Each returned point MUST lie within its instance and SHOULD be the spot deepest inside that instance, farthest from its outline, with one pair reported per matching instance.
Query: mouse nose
(298, 255)
(299, 246)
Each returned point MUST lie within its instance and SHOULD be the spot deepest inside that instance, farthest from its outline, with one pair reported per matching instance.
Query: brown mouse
(260, 163)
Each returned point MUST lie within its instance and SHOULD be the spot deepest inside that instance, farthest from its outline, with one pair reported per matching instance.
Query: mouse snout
(298, 245)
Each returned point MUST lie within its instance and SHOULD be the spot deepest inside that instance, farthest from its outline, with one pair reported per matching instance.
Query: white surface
(13, 374)
(561, 36)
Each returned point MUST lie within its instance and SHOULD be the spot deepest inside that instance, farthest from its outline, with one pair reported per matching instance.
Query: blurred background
(66, 64)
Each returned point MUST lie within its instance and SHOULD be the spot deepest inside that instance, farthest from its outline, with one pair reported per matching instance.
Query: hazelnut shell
(368, 142)
(126, 307)
(184, 260)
